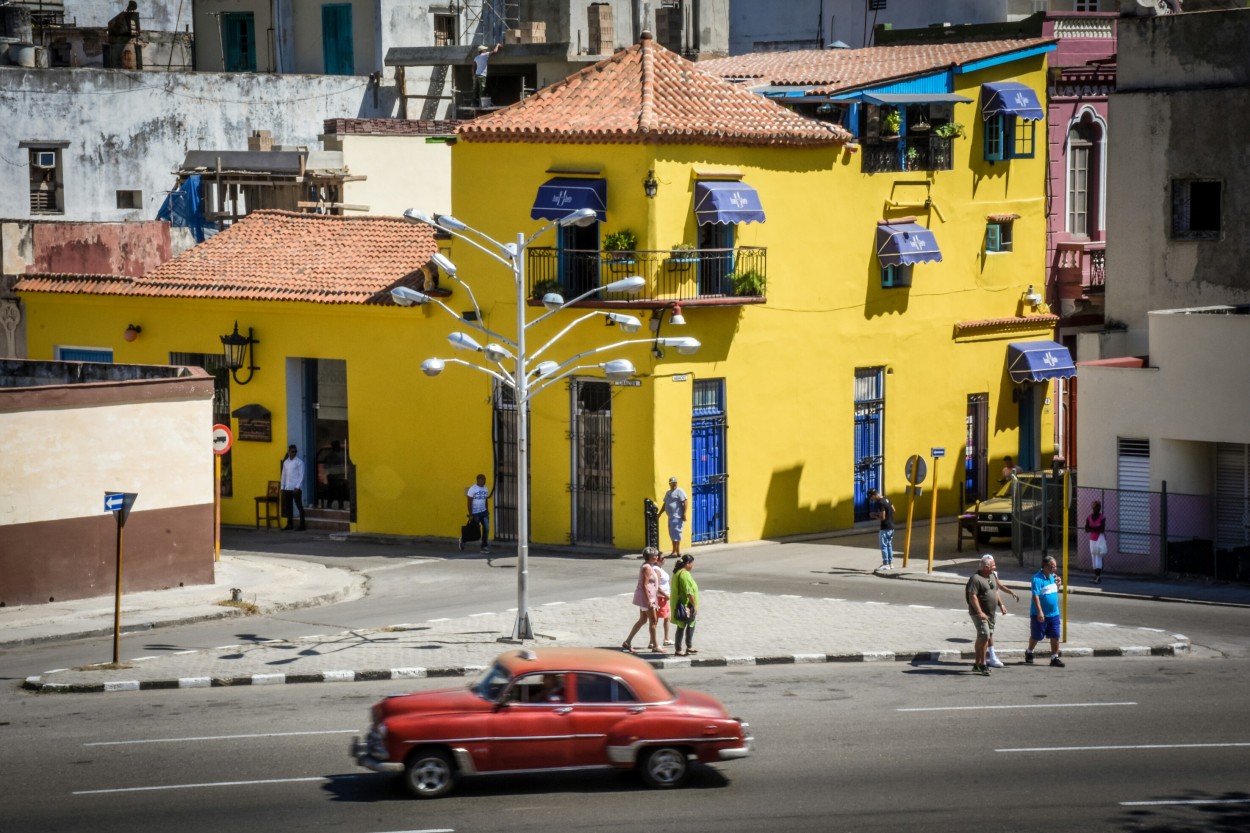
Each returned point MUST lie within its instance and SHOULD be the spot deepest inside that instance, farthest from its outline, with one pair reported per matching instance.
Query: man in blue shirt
(1044, 612)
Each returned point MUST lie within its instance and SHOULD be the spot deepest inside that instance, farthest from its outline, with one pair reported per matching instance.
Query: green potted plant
(949, 130)
(913, 158)
(682, 255)
(891, 122)
(544, 286)
(620, 241)
(748, 283)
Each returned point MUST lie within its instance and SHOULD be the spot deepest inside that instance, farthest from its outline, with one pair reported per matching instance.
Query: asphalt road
(408, 588)
(1102, 745)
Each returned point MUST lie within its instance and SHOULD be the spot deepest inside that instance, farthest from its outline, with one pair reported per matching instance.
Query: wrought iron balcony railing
(713, 276)
(908, 153)
(1088, 259)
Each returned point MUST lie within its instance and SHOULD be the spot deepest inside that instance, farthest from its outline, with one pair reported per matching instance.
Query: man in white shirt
(292, 486)
(479, 70)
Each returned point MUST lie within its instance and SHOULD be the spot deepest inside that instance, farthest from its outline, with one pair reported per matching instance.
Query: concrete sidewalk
(799, 630)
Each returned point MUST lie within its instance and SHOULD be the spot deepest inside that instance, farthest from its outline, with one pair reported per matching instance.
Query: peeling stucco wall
(130, 130)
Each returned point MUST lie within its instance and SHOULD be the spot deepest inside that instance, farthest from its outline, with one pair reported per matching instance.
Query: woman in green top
(685, 592)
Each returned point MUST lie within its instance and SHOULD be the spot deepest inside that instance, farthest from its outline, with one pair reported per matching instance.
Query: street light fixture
(516, 367)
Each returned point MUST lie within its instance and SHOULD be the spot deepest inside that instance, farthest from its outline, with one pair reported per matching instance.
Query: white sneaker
(994, 662)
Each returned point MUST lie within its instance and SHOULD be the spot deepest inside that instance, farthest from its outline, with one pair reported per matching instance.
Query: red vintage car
(553, 708)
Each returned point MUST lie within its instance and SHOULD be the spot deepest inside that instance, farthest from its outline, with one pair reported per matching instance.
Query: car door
(527, 731)
(600, 701)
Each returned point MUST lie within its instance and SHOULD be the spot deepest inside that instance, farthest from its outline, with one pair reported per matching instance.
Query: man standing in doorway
(479, 71)
(292, 486)
(1044, 619)
(476, 497)
(882, 510)
(675, 503)
(1009, 469)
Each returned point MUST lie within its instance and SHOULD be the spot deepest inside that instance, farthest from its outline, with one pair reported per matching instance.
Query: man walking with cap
(675, 507)
(479, 70)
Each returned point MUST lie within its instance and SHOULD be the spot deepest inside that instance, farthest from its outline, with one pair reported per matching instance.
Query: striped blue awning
(1037, 361)
(726, 201)
(557, 198)
(905, 243)
(1010, 98)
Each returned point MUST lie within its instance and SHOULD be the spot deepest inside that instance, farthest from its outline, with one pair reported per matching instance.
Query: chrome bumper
(361, 753)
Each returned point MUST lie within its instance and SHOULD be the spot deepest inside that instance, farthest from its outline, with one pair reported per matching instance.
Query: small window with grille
(130, 199)
(1196, 209)
(444, 30)
(998, 236)
(47, 193)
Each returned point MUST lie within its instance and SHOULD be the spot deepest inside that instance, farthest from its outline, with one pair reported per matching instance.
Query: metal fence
(1148, 533)
(672, 276)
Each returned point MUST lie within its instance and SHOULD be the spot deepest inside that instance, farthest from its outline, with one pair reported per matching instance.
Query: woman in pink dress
(646, 598)
(1096, 526)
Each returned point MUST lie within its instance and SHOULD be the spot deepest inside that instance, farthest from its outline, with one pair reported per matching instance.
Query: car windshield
(491, 684)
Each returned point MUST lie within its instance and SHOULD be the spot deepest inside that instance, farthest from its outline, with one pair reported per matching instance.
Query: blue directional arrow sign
(113, 501)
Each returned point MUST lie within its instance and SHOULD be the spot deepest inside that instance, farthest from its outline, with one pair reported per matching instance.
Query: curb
(1181, 647)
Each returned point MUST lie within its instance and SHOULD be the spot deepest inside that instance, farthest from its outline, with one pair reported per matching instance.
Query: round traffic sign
(916, 470)
(222, 439)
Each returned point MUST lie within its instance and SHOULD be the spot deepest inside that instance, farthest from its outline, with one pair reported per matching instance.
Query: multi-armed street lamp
(519, 369)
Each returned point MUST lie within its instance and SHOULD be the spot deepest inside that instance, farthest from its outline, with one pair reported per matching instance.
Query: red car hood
(438, 701)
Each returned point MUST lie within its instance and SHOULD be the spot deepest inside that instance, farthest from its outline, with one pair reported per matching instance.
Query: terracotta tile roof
(647, 94)
(840, 70)
(277, 256)
(1008, 323)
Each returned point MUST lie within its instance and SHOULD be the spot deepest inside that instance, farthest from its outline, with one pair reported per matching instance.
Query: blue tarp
(184, 209)
(726, 201)
(1037, 361)
(557, 198)
(906, 243)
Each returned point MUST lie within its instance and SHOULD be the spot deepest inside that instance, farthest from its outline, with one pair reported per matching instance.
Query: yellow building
(854, 294)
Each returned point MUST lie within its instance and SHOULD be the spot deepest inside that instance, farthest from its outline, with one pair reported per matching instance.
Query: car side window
(600, 688)
(537, 688)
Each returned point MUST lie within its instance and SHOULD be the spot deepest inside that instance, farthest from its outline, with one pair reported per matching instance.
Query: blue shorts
(1044, 630)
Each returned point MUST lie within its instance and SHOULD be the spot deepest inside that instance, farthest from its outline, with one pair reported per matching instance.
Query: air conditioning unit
(45, 159)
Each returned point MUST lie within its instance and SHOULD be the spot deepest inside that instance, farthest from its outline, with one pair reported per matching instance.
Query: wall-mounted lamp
(649, 185)
(1032, 297)
(237, 350)
(132, 332)
(677, 320)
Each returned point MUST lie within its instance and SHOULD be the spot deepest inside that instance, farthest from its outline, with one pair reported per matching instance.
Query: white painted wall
(68, 458)
(403, 172)
(130, 130)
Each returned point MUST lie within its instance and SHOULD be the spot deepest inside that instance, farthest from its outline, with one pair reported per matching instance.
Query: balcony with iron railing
(908, 153)
(697, 277)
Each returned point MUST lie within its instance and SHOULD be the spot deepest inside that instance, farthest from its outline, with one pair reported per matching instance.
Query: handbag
(684, 612)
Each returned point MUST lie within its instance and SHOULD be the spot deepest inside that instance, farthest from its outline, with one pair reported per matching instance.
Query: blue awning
(1037, 361)
(726, 201)
(1010, 98)
(557, 198)
(905, 243)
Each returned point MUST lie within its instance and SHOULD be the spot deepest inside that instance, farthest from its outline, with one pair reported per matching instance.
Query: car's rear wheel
(665, 767)
(429, 773)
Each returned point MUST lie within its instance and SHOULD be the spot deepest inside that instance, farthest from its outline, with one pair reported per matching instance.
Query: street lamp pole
(517, 374)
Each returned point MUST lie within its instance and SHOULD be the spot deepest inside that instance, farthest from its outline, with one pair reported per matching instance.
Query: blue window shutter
(239, 34)
(993, 238)
(995, 138)
(336, 39)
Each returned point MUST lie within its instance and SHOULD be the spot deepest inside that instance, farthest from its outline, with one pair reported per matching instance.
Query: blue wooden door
(710, 519)
(336, 39)
(238, 32)
(869, 433)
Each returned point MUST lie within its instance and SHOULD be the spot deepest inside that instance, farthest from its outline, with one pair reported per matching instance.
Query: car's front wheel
(429, 773)
(665, 767)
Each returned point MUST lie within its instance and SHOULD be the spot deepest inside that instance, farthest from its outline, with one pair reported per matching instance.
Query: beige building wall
(402, 172)
(1182, 403)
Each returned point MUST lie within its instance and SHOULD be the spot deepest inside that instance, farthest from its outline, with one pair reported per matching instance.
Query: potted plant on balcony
(949, 130)
(620, 245)
(682, 255)
(747, 284)
(542, 287)
(891, 122)
(912, 158)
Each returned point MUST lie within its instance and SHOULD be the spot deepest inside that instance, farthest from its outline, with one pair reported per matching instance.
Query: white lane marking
(1152, 630)
(789, 596)
(1112, 748)
(1186, 801)
(222, 737)
(1024, 706)
(475, 615)
(442, 619)
(182, 653)
(921, 607)
(410, 563)
(884, 604)
(211, 784)
(827, 599)
(551, 604)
